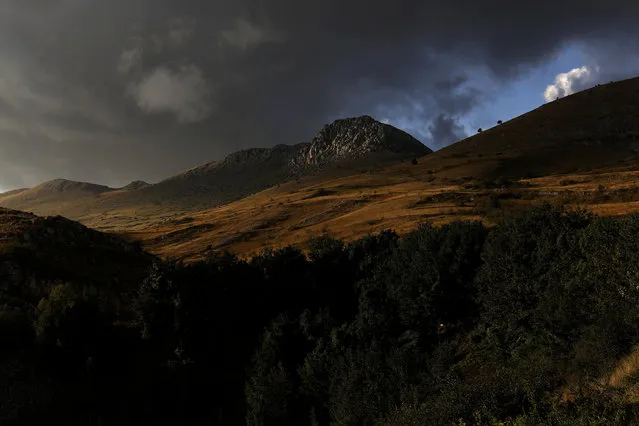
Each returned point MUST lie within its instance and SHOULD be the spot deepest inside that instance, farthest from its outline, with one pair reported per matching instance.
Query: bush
(320, 193)
(74, 326)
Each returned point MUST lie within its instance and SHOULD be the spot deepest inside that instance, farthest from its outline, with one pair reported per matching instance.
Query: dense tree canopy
(459, 324)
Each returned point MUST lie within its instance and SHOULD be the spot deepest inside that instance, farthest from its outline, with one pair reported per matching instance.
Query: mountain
(348, 142)
(344, 144)
(352, 139)
(55, 197)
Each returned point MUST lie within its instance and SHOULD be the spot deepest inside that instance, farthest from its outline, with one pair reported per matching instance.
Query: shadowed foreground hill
(38, 252)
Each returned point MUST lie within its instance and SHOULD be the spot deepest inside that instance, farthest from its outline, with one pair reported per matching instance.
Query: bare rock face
(353, 138)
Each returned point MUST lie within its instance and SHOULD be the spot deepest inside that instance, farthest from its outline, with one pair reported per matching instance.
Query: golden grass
(399, 197)
(625, 369)
(583, 151)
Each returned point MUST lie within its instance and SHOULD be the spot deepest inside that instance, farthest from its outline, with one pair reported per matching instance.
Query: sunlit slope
(580, 151)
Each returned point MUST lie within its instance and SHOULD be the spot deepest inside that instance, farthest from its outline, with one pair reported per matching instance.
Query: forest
(522, 323)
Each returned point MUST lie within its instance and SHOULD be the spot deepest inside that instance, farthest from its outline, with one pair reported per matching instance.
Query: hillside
(37, 252)
(580, 151)
(594, 128)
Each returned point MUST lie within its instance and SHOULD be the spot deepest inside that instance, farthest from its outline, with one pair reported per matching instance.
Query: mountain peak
(136, 184)
(353, 138)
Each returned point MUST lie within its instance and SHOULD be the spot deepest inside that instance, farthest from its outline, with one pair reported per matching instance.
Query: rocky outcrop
(354, 138)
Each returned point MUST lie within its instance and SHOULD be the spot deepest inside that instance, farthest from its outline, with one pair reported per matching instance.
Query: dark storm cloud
(445, 130)
(127, 89)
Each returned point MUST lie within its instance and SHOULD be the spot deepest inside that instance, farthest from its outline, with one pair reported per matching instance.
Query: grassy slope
(581, 150)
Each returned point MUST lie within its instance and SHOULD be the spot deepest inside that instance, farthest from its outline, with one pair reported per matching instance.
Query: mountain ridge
(343, 140)
(344, 143)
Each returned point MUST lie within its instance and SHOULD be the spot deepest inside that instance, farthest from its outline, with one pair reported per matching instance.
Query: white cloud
(569, 82)
(245, 35)
(184, 92)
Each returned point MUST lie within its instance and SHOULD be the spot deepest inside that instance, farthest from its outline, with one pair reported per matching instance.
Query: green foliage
(459, 325)
(69, 320)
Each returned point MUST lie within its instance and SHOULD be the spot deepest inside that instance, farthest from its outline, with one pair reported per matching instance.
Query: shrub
(72, 323)
(322, 192)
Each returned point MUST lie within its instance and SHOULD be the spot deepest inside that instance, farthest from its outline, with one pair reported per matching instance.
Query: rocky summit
(354, 138)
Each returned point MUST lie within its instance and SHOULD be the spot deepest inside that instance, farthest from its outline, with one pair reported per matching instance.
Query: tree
(75, 326)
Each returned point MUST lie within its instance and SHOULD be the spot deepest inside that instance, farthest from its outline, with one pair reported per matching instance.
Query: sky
(114, 91)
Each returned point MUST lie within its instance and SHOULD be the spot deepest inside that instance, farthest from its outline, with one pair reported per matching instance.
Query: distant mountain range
(346, 143)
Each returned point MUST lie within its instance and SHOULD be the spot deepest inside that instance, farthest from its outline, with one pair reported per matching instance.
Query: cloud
(181, 30)
(445, 130)
(179, 33)
(569, 82)
(130, 59)
(92, 85)
(244, 35)
(183, 92)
